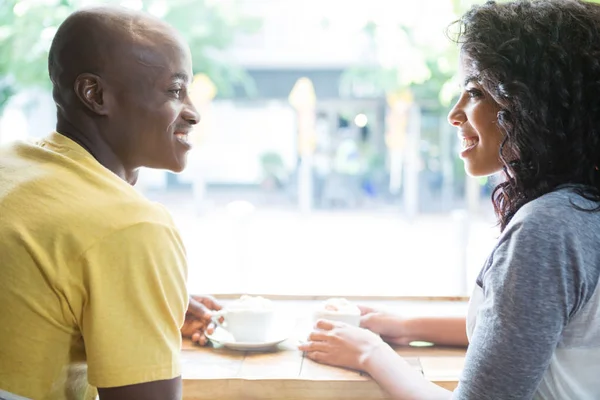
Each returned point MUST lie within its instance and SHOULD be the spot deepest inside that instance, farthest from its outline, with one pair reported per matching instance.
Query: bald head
(120, 80)
(95, 40)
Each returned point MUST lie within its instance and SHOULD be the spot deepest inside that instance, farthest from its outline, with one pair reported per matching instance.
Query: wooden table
(284, 374)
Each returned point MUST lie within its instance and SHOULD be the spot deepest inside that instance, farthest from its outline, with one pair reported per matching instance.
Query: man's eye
(176, 92)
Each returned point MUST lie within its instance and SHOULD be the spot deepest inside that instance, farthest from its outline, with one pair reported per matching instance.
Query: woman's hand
(448, 331)
(392, 328)
(342, 345)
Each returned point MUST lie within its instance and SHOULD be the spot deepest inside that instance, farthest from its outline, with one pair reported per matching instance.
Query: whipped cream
(250, 303)
(339, 306)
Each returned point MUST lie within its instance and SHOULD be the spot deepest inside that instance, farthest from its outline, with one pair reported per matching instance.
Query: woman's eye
(474, 93)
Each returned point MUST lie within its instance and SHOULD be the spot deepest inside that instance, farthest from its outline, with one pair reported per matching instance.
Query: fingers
(400, 341)
(364, 309)
(327, 325)
(317, 356)
(365, 321)
(313, 346)
(209, 301)
(317, 341)
(318, 336)
(198, 310)
(199, 338)
(192, 325)
(210, 329)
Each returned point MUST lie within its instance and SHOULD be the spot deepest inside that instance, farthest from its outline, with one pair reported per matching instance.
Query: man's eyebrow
(180, 76)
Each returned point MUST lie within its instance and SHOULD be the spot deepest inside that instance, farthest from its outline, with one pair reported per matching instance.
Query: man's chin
(177, 168)
(177, 164)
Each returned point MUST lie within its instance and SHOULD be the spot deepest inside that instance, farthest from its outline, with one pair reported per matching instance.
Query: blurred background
(323, 164)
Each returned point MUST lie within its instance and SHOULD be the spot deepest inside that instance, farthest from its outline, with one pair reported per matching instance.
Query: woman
(530, 107)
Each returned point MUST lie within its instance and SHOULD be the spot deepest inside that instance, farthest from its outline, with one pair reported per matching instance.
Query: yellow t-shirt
(92, 276)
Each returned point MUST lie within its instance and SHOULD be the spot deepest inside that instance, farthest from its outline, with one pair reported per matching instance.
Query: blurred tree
(210, 27)
(28, 26)
(410, 50)
(6, 92)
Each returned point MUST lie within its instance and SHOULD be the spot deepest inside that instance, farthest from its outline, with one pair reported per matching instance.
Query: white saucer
(224, 338)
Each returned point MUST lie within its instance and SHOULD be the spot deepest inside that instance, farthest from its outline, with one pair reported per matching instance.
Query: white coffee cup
(340, 310)
(248, 320)
(350, 319)
(249, 326)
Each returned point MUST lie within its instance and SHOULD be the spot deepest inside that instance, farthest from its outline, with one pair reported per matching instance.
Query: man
(92, 281)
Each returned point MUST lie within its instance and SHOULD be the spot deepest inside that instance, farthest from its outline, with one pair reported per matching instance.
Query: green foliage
(28, 26)
(210, 28)
(26, 31)
(426, 63)
(6, 92)
(273, 166)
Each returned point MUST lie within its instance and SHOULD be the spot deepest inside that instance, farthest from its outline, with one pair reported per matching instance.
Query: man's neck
(93, 142)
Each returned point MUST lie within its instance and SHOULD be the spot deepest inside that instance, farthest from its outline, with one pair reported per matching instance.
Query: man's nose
(190, 114)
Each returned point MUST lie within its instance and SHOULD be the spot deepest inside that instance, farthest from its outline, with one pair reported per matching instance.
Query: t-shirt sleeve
(135, 282)
(532, 285)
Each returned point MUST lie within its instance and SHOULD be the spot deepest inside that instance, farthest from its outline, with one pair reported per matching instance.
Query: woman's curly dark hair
(540, 61)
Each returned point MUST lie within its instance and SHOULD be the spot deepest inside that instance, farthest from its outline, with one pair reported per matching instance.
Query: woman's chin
(476, 170)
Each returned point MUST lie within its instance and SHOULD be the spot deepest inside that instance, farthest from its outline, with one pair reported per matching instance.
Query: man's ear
(89, 89)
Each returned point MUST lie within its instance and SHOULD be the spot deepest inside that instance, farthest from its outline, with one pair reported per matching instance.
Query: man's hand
(198, 321)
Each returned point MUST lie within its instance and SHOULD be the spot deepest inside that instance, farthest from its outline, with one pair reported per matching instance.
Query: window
(351, 187)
